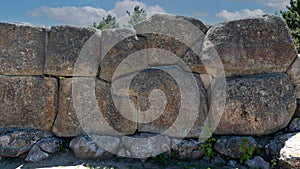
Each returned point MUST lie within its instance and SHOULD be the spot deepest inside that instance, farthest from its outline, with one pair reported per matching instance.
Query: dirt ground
(65, 160)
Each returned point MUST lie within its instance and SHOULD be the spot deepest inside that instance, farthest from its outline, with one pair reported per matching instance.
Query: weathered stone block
(22, 49)
(167, 35)
(170, 101)
(257, 105)
(28, 102)
(64, 46)
(252, 46)
(294, 74)
(67, 123)
(119, 46)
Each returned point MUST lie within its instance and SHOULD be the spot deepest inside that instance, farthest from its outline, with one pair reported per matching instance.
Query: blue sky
(85, 12)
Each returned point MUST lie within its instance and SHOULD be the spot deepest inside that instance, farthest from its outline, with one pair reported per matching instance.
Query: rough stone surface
(297, 112)
(146, 145)
(297, 90)
(230, 145)
(290, 153)
(257, 162)
(187, 149)
(175, 34)
(294, 71)
(295, 125)
(157, 113)
(36, 154)
(294, 74)
(257, 105)
(50, 145)
(195, 22)
(28, 102)
(116, 46)
(22, 49)
(252, 46)
(67, 123)
(84, 147)
(14, 143)
(273, 148)
(64, 45)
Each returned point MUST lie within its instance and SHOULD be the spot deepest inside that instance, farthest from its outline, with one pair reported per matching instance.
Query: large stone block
(67, 123)
(28, 102)
(294, 74)
(170, 101)
(118, 53)
(22, 49)
(64, 46)
(174, 35)
(252, 46)
(257, 105)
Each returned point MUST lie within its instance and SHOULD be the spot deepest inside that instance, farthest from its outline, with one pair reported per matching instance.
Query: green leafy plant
(138, 15)
(107, 23)
(207, 147)
(292, 18)
(274, 163)
(247, 150)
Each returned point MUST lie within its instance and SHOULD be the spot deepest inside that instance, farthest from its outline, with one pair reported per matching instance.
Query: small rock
(50, 145)
(108, 143)
(146, 145)
(124, 153)
(295, 125)
(258, 163)
(36, 154)
(231, 146)
(232, 163)
(218, 160)
(273, 148)
(84, 147)
(14, 143)
(290, 153)
(187, 149)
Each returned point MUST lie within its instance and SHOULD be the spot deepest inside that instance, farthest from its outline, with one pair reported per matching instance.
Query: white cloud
(245, 13)
(274, 4)
(87, 15)
(70, 15)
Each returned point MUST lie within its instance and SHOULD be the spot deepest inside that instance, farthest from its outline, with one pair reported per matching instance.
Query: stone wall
(39, 68)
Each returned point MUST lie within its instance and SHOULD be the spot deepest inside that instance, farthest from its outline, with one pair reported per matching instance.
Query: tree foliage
(292, 18)
(107, 23)
(138, 15)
